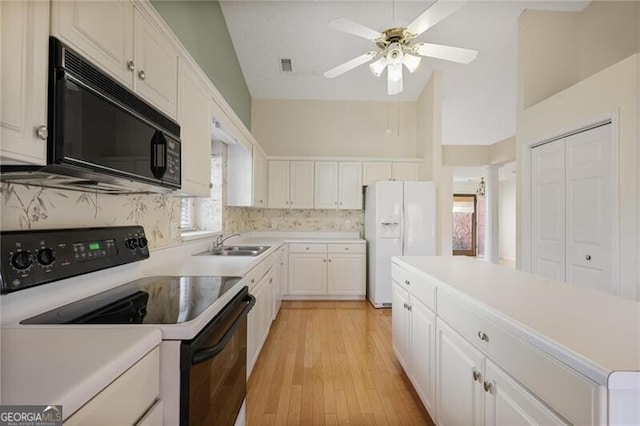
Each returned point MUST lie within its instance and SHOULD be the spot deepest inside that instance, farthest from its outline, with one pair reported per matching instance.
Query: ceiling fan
(396, 47)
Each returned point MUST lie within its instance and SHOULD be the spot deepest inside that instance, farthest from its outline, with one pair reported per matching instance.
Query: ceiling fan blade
(433, 15)
(354, 28)
(349, 65)
(394, 78)
(448, 53)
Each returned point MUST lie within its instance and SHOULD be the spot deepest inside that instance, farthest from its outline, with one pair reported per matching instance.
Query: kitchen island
(532, 348)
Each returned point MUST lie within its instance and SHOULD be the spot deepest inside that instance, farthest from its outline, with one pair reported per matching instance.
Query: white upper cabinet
(195, 116)
(24, 28)
(405, 171)
(156, 66)
(118, 39)
(326, 185)
(301, 184)
(290, 184)
(278, 184)
(259, 178)
(101, 30)
(350, 186)
(373, 171)
(338, 185)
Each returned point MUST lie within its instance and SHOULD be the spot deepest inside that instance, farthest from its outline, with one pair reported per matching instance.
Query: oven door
(213, 382)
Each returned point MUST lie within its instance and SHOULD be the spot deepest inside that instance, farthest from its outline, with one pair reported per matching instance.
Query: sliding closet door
(589, 209)
(548, 210)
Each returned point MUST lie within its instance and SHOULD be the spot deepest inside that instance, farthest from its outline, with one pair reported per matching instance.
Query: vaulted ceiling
(479, 99)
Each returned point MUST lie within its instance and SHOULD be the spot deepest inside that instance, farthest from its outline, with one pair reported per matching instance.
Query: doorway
(464, 225)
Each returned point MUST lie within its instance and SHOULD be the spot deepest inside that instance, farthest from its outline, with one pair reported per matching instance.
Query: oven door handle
(212, 351)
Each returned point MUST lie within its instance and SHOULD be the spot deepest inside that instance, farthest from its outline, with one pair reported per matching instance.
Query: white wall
(507, 215)
(335, 128)
(558, 49)
(430, 146)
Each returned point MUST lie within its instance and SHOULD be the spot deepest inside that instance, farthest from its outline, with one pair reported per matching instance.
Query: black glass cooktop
(151, 300)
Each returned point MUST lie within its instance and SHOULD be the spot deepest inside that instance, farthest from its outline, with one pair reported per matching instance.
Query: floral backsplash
(242, 219)
(28, 207)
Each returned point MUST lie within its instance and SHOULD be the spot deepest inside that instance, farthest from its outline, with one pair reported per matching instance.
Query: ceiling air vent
(285, 65)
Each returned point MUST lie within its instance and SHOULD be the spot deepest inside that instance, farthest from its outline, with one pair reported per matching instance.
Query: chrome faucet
(221, 239)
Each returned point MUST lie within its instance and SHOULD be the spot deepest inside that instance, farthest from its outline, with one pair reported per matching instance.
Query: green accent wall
(201, 27)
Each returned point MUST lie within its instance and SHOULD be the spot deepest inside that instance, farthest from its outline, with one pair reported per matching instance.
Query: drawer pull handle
(407, 282)
(483, 336)
(346, 248)
(476, 376)
(487, 387)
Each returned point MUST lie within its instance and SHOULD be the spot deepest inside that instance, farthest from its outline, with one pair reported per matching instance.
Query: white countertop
(67, 366)
(593, 332)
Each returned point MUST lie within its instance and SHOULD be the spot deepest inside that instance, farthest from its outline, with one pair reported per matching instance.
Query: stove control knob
(131, 243)
(142, 242)
(21, 260)
(46, 256)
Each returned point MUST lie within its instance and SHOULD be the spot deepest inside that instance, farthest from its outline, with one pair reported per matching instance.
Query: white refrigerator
(400, 220)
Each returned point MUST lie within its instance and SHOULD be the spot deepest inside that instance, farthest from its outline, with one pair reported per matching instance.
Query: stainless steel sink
(236, 251)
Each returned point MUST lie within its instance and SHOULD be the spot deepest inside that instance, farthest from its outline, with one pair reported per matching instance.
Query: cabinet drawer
(570, 394)
(132, 394)
(307, 248)
(255, 275)
(420, 287)
(347, 248)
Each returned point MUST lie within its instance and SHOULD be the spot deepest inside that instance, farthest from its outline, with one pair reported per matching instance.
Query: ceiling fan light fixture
(394, 78)
(411, 62)
(378, 66)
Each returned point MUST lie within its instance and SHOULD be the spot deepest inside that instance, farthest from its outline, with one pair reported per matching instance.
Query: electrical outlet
(347, 224)
(274, 224)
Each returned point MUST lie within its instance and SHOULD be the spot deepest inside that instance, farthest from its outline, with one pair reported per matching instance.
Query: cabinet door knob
(131, 66)
(588, 257)
(142, 75)
(270, 280)
(346, 248)
(409, 307)
(253, 280)
(476, 376)
(407, 282)
(329, 260)
(405, 305)
(324, 260)
(487, 387)
(42, 132)
(483, 336)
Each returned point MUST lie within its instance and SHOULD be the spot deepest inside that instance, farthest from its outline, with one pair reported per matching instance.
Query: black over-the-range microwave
(101, 136)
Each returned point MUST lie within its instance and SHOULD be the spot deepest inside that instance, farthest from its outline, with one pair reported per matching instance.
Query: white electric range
(202, 319)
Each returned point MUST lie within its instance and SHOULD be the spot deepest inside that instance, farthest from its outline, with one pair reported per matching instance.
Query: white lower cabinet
(459, 370)
(262, 282)
(508, 403)
(133, 394)
(413, 328)
(331, 270)
(307, 274)
(468, 371)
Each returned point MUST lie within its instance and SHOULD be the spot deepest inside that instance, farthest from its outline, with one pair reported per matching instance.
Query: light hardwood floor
(331, 363)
